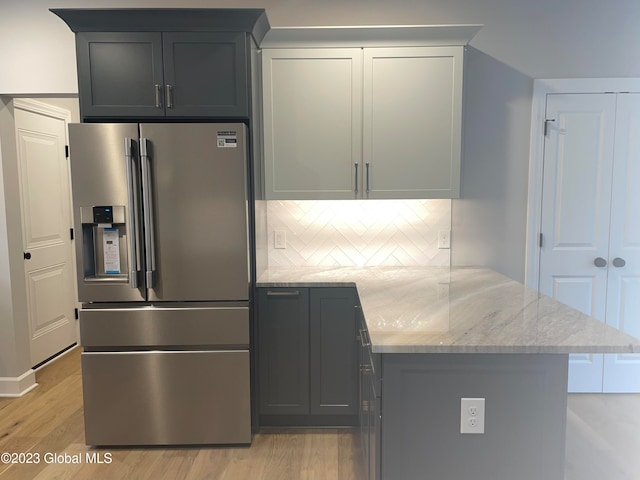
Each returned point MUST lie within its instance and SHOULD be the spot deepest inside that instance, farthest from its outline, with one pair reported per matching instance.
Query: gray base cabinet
(307, 356)
(283, 351)
(369, 403)
(525, 417)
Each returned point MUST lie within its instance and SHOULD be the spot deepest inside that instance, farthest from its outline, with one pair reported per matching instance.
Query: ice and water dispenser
(104, 239)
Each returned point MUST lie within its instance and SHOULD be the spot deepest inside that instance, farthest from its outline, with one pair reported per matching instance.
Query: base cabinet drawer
(166, 397)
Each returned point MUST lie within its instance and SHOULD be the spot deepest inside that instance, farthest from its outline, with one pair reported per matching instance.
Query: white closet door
(622, 372)
(576, 200)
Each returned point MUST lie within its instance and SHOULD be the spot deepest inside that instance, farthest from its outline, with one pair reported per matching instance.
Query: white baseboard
(18, 386)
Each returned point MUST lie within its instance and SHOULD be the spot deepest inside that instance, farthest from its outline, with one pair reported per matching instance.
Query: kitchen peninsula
(439, 335)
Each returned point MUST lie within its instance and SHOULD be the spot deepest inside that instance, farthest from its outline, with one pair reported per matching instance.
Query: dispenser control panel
(103, 214)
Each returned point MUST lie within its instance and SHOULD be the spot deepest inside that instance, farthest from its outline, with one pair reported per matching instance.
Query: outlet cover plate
(280, 239)
(472, 415)
(444, 239)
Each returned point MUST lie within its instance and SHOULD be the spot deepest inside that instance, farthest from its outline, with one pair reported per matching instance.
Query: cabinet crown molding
(370, 36)
(250, 20)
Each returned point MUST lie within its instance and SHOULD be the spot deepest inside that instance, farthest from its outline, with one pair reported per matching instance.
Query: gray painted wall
(489, 221)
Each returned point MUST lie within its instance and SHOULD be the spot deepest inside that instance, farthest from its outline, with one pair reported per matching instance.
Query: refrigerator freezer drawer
(223, 326)
(166, 398)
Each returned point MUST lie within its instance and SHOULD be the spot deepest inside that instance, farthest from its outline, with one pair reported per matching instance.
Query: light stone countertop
(462, 310)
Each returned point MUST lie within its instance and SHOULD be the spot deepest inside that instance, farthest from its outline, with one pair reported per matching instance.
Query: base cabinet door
(166, 397)
(283, 351)
(334, 382)
(307, 357)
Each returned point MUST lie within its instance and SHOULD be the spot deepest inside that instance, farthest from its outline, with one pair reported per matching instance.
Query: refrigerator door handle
(147, 203)
(132, 220)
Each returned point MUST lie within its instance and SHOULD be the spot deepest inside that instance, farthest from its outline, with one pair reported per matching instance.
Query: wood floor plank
(42, 415)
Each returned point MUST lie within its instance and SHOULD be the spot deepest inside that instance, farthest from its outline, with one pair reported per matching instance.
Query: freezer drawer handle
(147, 204)
(132, 221)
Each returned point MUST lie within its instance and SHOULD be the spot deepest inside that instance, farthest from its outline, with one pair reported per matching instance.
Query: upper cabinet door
(120, 74)
(412, 122)
(205, 74)
(312, 123)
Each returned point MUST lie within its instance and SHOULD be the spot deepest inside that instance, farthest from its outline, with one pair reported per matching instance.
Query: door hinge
(540, 238)
(66, 151)
(71, 233)
(546, 125)
(76, 313)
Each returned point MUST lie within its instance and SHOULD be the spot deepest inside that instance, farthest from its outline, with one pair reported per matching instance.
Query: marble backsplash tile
(358, 232)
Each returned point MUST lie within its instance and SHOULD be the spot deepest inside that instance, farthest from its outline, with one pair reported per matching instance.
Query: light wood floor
(603, 442)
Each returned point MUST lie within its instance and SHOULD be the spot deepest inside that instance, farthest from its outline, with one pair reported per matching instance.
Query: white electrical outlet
(280, 239)
(472, 415)
(444, 239)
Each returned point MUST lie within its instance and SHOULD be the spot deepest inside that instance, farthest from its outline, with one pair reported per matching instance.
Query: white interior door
(576, 201)
(46, 221)
(590, 255)
(622, 372)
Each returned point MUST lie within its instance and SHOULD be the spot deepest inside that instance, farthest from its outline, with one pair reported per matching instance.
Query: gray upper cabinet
(412, 122)
(176, 63)
(174, 74)
(205, 74)
(313, 122)
(118, 72)
(348, 123)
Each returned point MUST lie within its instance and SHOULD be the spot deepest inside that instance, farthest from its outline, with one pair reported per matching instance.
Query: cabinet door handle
(356, 184)
(294, 293)
(158, 90)
(367, 165)
(169, 89)
(365, 341)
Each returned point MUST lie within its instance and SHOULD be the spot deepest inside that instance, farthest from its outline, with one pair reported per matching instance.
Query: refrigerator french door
(161, 212)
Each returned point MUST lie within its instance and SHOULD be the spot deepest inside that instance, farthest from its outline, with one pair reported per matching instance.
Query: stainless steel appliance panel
(213, 326)
(99, 174)
(199, 210)
(164, 398)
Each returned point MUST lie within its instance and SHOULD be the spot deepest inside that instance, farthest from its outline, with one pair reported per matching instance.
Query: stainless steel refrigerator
(162, 251)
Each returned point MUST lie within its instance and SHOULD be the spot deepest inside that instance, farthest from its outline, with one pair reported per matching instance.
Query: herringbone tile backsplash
(358, 232)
